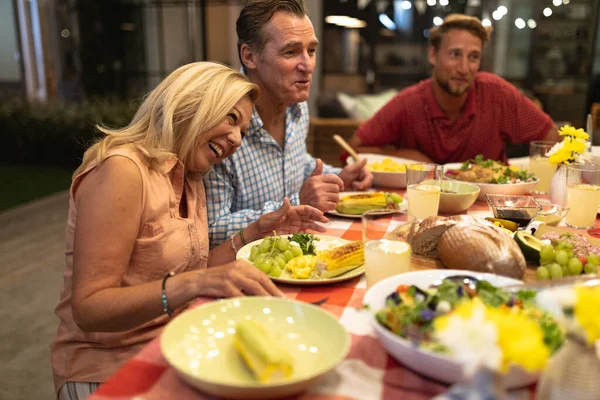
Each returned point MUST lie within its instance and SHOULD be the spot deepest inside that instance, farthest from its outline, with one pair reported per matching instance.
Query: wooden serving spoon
(340, 140)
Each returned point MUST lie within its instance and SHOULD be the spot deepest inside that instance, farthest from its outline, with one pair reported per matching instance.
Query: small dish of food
(518, 209)
(551, 214)
(457, 196)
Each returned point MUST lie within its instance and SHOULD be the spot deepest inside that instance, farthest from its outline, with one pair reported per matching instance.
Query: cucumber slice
(530, 245)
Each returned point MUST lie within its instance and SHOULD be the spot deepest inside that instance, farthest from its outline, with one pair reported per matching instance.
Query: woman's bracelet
(163, 296)
(232, 243)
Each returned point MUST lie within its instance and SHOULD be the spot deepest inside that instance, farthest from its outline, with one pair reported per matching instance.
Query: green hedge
(55, 134)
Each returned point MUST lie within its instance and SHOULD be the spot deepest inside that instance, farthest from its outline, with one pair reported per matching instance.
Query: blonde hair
(459, 21)
(187, 103)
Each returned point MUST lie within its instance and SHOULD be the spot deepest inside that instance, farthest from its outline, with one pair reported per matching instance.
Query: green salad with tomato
(410, 311)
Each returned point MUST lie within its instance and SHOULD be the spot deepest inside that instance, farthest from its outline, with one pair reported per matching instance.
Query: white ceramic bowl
(395, 180)
(198, 344)
(428, 363)
(496, 188)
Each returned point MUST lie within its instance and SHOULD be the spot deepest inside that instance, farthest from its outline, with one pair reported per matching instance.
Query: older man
(459, 112)
(277, 48)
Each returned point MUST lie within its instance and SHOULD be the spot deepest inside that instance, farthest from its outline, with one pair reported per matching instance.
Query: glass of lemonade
(386, 251)
(423, 188)
(583, 195)
(540, 166)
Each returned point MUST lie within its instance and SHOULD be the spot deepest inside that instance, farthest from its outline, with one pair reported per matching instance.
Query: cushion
(363, 107)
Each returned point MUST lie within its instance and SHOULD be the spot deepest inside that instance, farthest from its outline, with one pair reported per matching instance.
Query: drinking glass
(539, 164)
(583, 195)
(387, 252)
(423, 188)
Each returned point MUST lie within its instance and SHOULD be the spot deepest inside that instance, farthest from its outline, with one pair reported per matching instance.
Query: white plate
(396, 180)
(325, 242)
(495, 188)
(428, 363)
(198, 344)
(402, 206)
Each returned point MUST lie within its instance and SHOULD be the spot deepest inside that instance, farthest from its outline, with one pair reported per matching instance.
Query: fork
(320, 302)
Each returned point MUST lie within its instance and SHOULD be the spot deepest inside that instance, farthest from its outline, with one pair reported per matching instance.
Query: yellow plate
(323, 243)
(198, 344)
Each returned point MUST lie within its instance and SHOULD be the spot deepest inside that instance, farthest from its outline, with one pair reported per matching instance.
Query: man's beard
(445, 85)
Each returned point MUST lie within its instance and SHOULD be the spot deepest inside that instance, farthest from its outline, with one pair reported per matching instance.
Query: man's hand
(321, 191)
(357, 176)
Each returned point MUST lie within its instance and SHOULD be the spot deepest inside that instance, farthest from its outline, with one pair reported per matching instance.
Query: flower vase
(485, 385)
(558, 186)
(572, 373)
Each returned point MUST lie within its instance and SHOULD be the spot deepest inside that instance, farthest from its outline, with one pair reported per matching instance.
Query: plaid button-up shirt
(256, 178)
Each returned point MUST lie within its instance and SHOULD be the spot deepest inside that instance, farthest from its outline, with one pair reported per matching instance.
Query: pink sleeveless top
(166, 242)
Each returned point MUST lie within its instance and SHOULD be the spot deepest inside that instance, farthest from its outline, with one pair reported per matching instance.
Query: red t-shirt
(494, 112)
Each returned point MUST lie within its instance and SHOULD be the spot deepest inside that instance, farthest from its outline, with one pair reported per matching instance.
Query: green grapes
(547, 254)
(543, 273)
(590, 268)
(575, 266)
(282, 244)
(558, 261)
(296, 251)
(593, 259)
(562, 257)
(272, 254)
(555, 270)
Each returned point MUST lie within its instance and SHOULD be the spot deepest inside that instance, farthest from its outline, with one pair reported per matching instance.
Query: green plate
(198, 344)
(285, 277)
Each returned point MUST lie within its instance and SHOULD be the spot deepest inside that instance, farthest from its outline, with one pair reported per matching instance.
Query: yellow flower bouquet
(574, 147)
(577, 309)
(493, 338)
(573, 371)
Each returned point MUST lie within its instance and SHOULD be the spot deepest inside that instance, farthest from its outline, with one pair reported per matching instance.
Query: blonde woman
(137, 238)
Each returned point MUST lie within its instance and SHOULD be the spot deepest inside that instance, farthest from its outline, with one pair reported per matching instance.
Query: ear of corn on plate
(262, 352)
(354, 204)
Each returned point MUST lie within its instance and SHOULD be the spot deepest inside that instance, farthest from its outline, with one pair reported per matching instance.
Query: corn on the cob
(357, 204)
(340, 259)
(268, 360)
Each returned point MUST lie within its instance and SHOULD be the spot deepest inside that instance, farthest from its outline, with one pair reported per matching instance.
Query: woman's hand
(290, 219)
(237, 278)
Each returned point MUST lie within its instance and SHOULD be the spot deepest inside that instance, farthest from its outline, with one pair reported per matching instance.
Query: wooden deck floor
(31, 265)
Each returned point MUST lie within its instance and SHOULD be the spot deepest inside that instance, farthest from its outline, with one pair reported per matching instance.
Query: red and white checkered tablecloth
(367, 373)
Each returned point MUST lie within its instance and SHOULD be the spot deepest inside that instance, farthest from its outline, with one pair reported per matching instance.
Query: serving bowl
(198, 344)
(395, 180)
(457, 196)
(495, 188)
(519, 209)
(428, 363)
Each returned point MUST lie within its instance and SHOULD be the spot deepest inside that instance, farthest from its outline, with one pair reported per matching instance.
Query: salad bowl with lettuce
(404, 310)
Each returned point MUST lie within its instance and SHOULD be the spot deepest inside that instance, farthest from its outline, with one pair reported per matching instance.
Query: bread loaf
(482, 248)
(431, 229)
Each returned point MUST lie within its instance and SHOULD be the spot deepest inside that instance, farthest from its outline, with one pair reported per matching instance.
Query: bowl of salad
(492, 177)
(405, 306)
